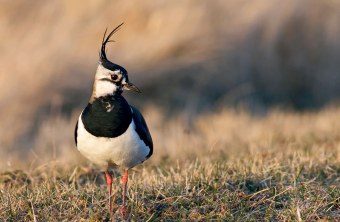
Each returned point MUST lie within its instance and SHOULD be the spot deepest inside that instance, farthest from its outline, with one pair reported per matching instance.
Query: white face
(107, 82)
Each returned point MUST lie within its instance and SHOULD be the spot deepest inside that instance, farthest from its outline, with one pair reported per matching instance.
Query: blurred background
(190, 58)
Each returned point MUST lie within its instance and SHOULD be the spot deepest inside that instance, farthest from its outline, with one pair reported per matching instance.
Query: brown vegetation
(225, 166)
(193, 61)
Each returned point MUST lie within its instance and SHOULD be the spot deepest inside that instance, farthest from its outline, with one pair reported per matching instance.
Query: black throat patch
(108, 116)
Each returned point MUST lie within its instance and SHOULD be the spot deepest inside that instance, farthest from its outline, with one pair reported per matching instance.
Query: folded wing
(142, 129)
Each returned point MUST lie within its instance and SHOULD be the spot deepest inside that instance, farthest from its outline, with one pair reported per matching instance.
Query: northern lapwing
(109, 131)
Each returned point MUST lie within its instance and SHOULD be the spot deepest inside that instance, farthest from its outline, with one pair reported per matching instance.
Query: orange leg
(124, 181)
(109, 185)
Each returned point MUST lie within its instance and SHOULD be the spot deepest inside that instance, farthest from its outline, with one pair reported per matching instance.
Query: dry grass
(185, 57)
(227, 166)
(190, 59)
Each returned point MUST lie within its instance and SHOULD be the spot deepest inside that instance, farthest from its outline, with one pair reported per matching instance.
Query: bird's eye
(114, 77)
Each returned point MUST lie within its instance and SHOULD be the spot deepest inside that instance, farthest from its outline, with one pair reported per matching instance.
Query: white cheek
(101, 72)
(104, 88)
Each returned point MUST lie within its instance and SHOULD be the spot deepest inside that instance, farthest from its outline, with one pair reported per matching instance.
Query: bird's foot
(123, 211)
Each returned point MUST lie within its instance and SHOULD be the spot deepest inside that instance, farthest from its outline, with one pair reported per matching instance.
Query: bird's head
(110, 78)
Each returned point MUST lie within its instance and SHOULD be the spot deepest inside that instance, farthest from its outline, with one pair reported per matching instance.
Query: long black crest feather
(105, 40)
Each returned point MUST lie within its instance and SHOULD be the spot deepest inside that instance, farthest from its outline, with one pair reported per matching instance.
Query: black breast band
(108, 116)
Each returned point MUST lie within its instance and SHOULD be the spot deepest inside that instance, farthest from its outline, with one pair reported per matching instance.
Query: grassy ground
(228, 166)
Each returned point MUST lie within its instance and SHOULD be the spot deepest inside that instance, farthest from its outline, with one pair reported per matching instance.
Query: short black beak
(130, 86)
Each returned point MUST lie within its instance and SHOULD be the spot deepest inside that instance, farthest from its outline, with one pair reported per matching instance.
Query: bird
(110, 132)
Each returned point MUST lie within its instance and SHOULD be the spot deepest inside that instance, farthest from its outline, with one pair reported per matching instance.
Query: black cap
(102, 54)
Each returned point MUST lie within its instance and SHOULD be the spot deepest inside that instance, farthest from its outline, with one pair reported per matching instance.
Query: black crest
(106, 39)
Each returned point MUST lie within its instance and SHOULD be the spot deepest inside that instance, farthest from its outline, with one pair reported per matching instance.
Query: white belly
(126, 150)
